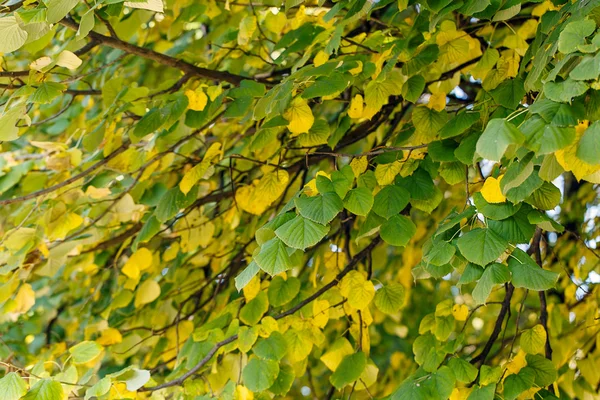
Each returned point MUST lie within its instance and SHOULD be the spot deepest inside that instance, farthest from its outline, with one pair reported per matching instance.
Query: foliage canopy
(248, 200)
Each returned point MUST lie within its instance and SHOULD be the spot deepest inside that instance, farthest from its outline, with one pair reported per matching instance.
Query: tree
(248, 200)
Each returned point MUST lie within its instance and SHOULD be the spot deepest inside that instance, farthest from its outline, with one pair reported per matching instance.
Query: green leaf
(588, 69)
(516, 384)
(349, 370)
(12, 386)
(494, 274)
(527, 274)
(173, 201)
(509, 93)
(300, 233)
(429, 121)
(259, 374)
(412, 88)
(564, 91)
(498, 135)
(438, 252)
(574, 34)
(99, 389)
(321, 208)
(273, 257)
(481, 246)
(546, 197)
(544, 221)
(459, 124)
(483, 393)
(58, 9)
(489, 374)
(246, 275)
(45, 389)
(47, 92)
(326, 86)
(272, 348)
(545, 373)
(359, 201)
(516, 228)
(85, 352)
(463, 370)
(253, 311)
(390, 298)
(390, 200)
(398, 230)
(588, 149)
(13, 36)
(282, 291)
(284, 380)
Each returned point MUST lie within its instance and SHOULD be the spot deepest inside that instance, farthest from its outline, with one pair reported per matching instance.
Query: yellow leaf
(68, 60)
(251, 289)
(321, 58)
(109, 337)
(356, 107)
(199, 171)
(256, 198)
(320, 313)
(246, 30)
(193, 176)
(24, 300)
(491, 190)
(359, 165)
(97, 193)
(532, 340)
(214, 92)
(15, 240)
(60, 227)
(357, 290)
(460, 312)
(197, 99)
(336, 353)
(386, 173)
(139, 261)
(356, 70)
(518, 362)
(300, 116)
(171, 252)
(460, 393)
(147, 293)
(275, 22)
(508, 64)
(437, 101)
(243, 393)
(567, 158)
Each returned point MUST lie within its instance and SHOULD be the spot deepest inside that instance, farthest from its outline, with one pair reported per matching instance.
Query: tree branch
(157, 57)
(497, 326)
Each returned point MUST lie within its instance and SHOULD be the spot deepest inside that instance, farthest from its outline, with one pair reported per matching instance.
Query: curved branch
(157, 57)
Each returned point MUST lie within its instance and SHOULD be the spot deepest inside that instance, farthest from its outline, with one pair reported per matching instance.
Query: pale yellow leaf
(147, 293)
(25, 299)
(359, 165)
(386, 173)
(299, 116)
